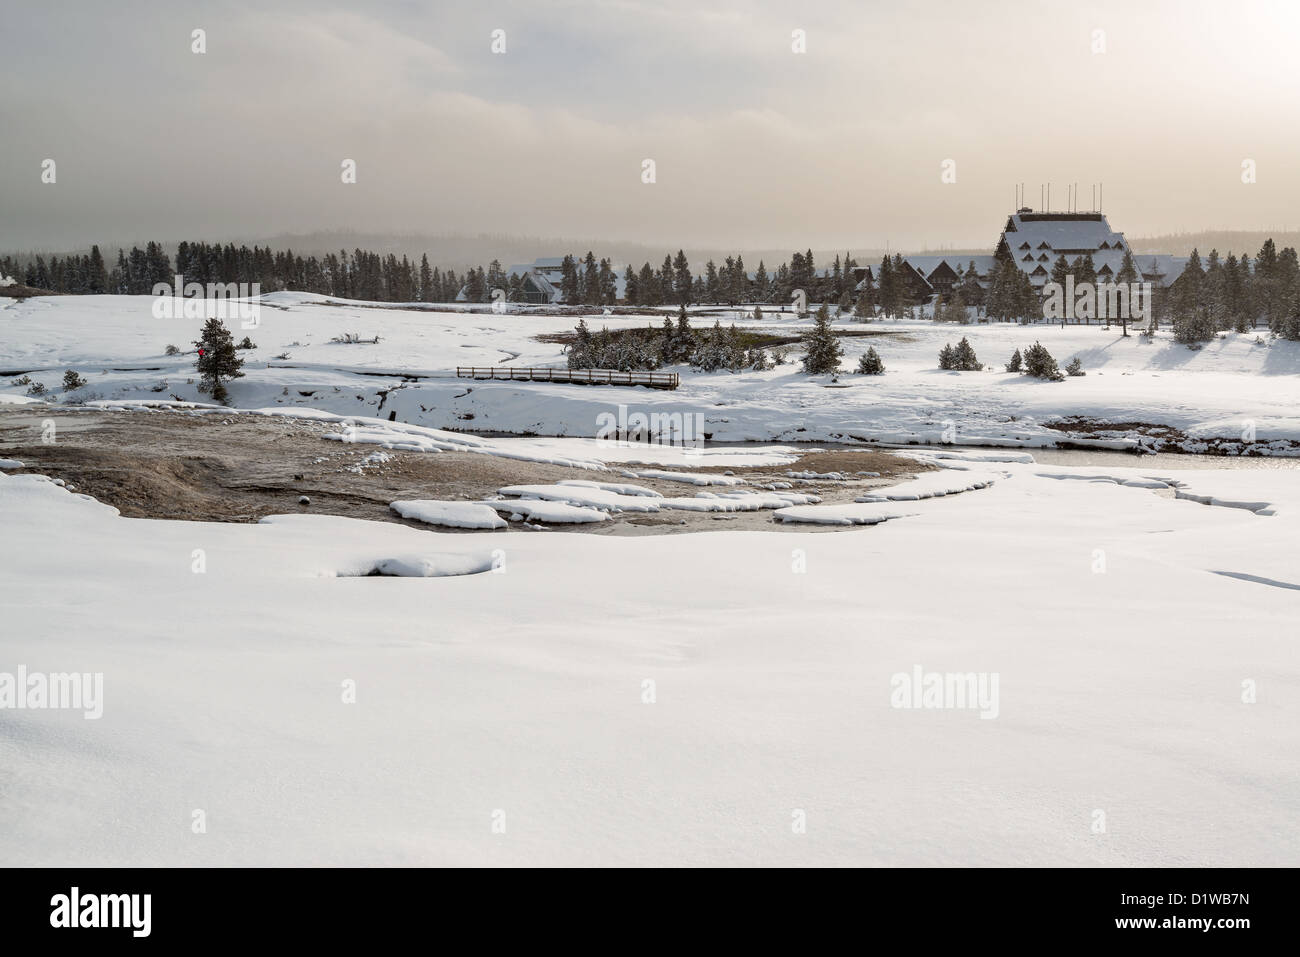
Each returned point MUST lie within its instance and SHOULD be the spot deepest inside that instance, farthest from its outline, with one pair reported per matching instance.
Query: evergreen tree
(887, 296)
(666, 294)
(121, 277)
(1015, 365)
(762, 285)
(711, 281)
(667, 342)
(970, 290)
(1028, 306)
(580, 352)
(1192, 323)
(647, 287)
(822, 350)
(903, 284)
(684, 340)
(1287, 281)
(1213, 292)
(1265, 285)
(217, 358)
(608, 283)
(1060, 269)
(863, 308)
(1247, 277)
(1085, 270)
(964, 357)
(426, 280)
(569, 290)
(682, 278)
(590, 293)
(97, 278)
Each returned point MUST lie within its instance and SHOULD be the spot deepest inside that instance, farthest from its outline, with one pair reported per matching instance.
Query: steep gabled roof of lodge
(1059, 232)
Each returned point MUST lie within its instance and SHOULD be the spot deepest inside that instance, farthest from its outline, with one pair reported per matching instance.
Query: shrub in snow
(1193, 329)
(36, 389)
(72, 381)
(959, 359)
(870, 363)
(758, 313)
(22, 380)
(1289, 327)
(1040, 364)
(171, 351)
(1074, 367)
(246, 343)
(1015, 365)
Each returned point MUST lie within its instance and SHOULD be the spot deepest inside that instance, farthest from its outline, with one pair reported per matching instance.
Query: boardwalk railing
(654, 380)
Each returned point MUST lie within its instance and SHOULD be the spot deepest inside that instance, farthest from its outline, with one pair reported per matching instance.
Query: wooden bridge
(653, 380)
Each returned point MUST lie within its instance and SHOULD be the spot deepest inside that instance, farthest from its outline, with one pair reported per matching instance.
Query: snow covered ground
(1230, 389)
(324, 690)
(719, 698)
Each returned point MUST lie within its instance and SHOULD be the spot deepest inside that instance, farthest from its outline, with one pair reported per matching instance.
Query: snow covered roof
(1059, 232)
(926, 265)
(1036, 240)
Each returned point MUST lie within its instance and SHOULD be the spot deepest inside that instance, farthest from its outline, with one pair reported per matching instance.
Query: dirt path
(240, 468)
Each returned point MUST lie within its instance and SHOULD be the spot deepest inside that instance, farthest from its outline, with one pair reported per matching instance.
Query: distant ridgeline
(1036, 252)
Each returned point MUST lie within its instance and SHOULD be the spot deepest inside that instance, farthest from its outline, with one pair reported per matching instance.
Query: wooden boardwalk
(653, 380)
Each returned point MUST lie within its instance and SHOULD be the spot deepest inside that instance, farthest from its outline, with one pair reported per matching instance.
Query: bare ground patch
(241, 468)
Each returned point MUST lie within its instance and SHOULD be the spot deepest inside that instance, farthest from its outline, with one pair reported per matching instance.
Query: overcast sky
(754, 145)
